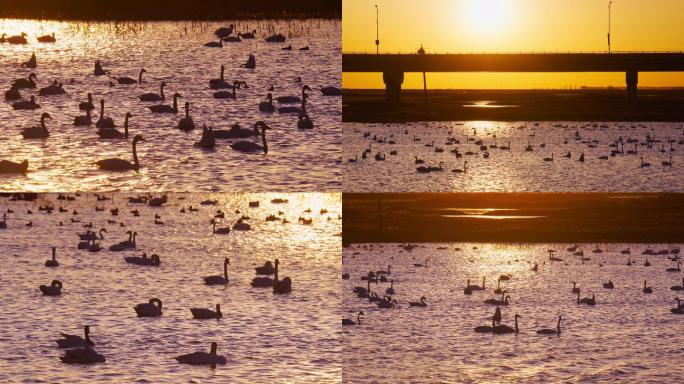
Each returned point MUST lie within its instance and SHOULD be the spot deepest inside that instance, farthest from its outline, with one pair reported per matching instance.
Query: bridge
(393, 66)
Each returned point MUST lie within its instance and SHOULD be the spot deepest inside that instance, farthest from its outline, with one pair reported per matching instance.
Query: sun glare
(487, 15)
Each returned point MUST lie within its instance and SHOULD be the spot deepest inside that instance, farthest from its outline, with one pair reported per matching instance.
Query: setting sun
(486, 15)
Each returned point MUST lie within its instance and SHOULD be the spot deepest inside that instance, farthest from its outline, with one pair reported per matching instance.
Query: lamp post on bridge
(377, 30)
(610, 3)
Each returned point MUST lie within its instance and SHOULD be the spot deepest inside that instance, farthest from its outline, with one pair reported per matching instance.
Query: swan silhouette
(26, 105)
(251, 62)
(229, 94)
(186, 123)
(267, 106)
(220, 82)
(251, 147)
(281, 286)
(503, 329)
(54, 289)
(83, 120)
(128, 80)
(420, 303)
(304, 121)
(677, 287)
(74, 341)
(39, 132)
(116, 164)
(154, 96)
(351, 322)
(153, 308)
(548, 331)
(266, 269)
(202, 313)
(103, 121)
(153, 260)
(31, 63)
(52, 262)
(47, 38)
(163, 108)
(28, 82)
(202, 358)
(112, 133)
(87, 105)
(10, 167)
(218, 279)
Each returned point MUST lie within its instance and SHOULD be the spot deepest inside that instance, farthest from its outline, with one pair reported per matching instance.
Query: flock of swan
(246, 140)
(456, 148)
(81, 350)
(502, 298)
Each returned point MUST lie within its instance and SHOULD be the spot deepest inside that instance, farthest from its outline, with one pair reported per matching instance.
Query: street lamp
(377, 30)
(609, 5)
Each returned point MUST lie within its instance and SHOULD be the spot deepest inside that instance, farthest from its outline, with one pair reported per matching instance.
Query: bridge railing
(515, 53)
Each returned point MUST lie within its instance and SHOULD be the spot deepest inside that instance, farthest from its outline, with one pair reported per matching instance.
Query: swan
(476, 287)
(267, 106)
(331, 91)
(420, 303)
(647, 289)
(124, 245)
(144, 260)
(85, 355)
(87, 105)
(154, 96)
(99, 71)
(186, 123)
(251, 147)
(224, 31)
(215, 44)
(549, 158)
(12, 93)
(220, 231)
(18, 39)
(249, 35)
(230, 95)
(281, 286)
(575, 289)
(83, 120)
(74, 341)
(208, 140)
(54, 289)
(103, 121)
(677, 287)
(52, 262)
(501, 329)
(235, 132)
(667, 163)
(390, 290)
(52, 89)
(464, 170)
(547, 331)
(202, 358)
(112, 133)
(277, 38)
(220, 82)
(218, 279)
(678, 269)
(39, 132)
(31, 63)
(202, 313)
(152, 308)
(116, 164)
(608, 285)
(503, 301)
(424, 265)
(163, 108)
(351, 322)
(128, 80)
(47, 38)
(586, 300)
(233, 39)
(266, 269)
(304, 121)
(251, 62)
(387, 303)
(10, 167)
(644, 164)
(28, 82)
(24, 105)
(294, 99)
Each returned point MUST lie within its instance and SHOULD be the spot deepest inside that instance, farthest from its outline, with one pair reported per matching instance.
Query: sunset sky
(512, 26)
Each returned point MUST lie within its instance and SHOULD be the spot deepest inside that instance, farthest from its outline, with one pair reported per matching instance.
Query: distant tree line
(168, 9)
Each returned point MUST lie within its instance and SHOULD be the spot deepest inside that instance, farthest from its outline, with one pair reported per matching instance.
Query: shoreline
(169, 10)
(559, 217)
(591, 104)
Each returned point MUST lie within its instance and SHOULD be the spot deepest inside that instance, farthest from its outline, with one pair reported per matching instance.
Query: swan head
(33, 75)
(143, 70)
(262, 125)
(129, 115)
(187, 105)
(226, 261)
(45, 115)
(177, 95)
(518, 316)
(163, 84)
(218, 308)
(137, 139)
(306, 87)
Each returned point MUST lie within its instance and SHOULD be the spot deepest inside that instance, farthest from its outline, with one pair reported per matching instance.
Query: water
(265, 337)
(628, 336)
(298, 160)
(514, 170)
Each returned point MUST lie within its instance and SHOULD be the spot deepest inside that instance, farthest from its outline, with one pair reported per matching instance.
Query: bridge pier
(632, 81)
(393, 81)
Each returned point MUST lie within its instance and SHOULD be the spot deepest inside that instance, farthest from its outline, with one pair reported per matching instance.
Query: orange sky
(512, 26)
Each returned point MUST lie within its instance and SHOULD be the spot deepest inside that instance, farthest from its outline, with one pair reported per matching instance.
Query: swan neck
(263, 139)
(135, 159)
